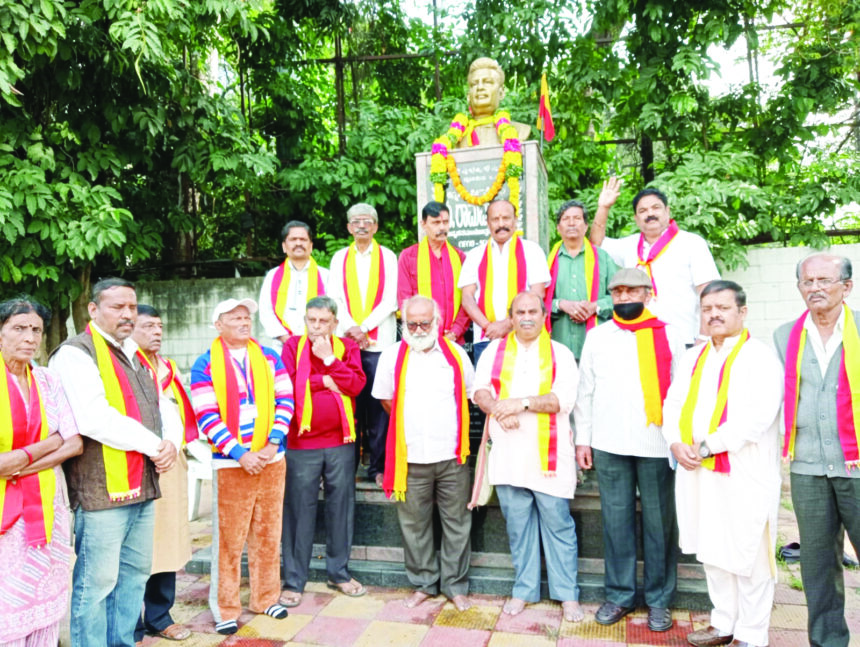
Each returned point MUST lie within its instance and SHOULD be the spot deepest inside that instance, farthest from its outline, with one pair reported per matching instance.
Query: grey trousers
(447, 484)
(825, 508)
(336, 465)
(618, 478)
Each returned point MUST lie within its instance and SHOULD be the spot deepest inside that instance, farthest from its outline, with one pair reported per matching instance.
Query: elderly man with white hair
(363, 282)
(242, 397)
(424, 383)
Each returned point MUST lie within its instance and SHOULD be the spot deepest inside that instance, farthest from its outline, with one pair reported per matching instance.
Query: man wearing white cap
(242, 397)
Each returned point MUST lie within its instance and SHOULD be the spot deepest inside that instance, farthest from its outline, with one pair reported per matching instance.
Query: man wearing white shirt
(486, 288)
(618, 416)
(679, 263)
(430, 377)
(287, 288)
(721, 424)
(526, 383)
(363, 282)
(171, 548)
(111, 492)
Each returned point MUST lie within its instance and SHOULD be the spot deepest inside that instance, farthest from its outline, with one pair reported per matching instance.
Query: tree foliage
(150, 137)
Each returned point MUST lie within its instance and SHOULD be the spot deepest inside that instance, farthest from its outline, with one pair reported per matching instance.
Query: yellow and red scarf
(123, 470)
(656, 250)
(592, 279)
(717, 462)
(501, 378)
(517, 275)
(171, 381)
(395, 445)
(431, 286)
(359, 309)
(28, 497)
(261, 383)
(847, 389)
(654, 359)
(281, 288)
(304, 401)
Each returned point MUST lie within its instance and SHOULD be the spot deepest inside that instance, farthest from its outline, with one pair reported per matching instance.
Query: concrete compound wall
(186, 306)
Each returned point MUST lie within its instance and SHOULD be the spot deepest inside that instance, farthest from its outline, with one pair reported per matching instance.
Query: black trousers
(371, 420)
(158, 599)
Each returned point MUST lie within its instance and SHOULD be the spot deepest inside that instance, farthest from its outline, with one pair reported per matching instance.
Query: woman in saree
(37, 433)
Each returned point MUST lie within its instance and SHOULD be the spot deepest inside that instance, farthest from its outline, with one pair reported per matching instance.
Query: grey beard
(421, 343)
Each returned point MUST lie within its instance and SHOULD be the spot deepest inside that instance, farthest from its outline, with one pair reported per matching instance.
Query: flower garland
(443, 165)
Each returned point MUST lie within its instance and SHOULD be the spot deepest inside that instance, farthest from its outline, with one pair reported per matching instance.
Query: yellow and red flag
(544, 120)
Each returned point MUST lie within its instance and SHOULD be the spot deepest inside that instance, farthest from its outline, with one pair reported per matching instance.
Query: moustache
(126, 322)
(651, 219)
(501, 229)
(715, 320)
(527, 322)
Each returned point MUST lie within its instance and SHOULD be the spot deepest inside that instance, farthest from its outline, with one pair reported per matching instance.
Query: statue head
(486, 87)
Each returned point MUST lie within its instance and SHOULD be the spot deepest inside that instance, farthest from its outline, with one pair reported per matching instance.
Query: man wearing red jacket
(327, 375)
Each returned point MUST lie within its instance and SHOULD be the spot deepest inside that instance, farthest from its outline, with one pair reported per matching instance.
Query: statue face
(485, 92)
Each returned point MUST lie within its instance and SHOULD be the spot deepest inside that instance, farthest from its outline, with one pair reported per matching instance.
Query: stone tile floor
(379, 619)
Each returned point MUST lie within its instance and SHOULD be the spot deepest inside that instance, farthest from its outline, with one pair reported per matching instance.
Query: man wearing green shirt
(577, 295)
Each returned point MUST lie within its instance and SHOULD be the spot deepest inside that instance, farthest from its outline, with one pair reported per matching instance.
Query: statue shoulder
(523, 130)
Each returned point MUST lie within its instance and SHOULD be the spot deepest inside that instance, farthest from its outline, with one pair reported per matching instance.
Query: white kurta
(514, 458)
(721, 517)
(684, 264)
(382, 316)
(537, 273)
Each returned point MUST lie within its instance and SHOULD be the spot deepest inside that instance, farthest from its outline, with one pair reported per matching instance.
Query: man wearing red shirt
(437, 257)
(326, 373)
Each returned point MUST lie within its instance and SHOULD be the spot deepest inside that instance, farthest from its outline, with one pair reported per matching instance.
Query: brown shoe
(709, 637)
(175, 632)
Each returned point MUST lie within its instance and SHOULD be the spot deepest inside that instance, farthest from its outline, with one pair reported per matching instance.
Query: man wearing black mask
(625, 370)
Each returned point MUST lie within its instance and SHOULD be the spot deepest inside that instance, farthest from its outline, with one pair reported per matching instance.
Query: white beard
(423, 342)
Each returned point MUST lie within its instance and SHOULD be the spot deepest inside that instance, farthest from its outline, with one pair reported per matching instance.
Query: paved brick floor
(380, 620)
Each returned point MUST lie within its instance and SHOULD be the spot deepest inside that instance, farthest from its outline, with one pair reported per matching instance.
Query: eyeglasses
(822, 283)
(361, 221)
(415, 325)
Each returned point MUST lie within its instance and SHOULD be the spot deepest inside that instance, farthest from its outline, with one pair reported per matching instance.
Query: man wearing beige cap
(625, 369)
(243, 400)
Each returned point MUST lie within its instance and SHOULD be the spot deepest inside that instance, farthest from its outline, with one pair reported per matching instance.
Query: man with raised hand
(113, 483)
(327, 373)
(496, 271)
(625, 371)
(289, 286)
(526, 384)
(679, 263)
(424, 382)
(577, 296)
(242, 396)
(432, 267)
(821, 354)
(721, 424)
(363, 282)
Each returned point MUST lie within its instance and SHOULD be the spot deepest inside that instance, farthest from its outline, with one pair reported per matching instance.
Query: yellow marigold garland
(443, 165)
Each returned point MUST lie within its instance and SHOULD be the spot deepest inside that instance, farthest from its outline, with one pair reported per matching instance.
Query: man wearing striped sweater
(243, 400)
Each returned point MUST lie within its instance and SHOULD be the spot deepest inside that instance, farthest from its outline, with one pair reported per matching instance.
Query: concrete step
(490, 573)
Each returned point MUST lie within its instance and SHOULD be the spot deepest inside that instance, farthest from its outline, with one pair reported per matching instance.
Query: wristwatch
(704, 450)
(525, 403)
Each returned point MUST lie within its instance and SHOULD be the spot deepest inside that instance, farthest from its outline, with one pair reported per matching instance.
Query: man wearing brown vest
(113, 483)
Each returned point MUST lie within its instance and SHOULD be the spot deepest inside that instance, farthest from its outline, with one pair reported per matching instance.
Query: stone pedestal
(478, 168)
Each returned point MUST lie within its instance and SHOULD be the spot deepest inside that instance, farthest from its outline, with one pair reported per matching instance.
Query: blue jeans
(525, 511)
(114, 555)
